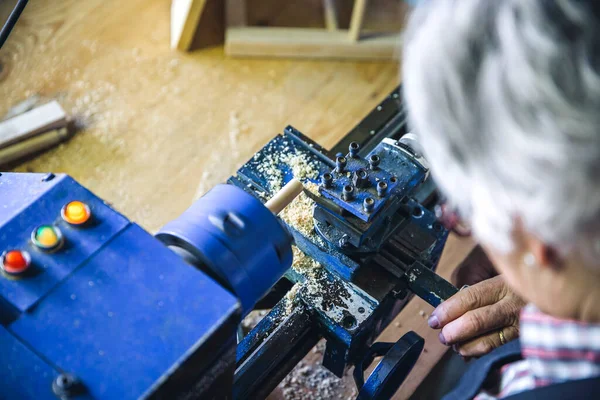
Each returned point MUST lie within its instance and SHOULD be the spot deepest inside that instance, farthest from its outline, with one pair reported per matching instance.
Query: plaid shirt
(554, 350)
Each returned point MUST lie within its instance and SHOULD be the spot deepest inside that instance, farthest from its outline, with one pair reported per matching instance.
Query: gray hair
(505, 96)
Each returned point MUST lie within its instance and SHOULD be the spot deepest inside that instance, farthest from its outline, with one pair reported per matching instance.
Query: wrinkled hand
(471, 319)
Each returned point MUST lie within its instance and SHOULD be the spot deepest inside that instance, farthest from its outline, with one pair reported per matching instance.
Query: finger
(476, 296)
(477, 322)
(486, 343)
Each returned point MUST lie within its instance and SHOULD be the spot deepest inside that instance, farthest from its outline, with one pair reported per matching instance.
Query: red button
(15, 261)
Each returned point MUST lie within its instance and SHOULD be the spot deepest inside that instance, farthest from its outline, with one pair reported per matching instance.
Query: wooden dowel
(285, 196)
(46, 117)
(358, 14)
(331, 19)
(33, 145)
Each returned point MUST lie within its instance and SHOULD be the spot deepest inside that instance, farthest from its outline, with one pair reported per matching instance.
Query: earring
(529, 259)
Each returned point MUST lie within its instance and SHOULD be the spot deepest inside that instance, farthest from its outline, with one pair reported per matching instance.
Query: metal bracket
(398, 360)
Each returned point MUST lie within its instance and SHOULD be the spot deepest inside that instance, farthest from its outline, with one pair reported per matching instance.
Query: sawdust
(299, 215)
(312, 187)
(299, 162)
(290, 299)
(253, 318)
(304, 264)
(308, 382)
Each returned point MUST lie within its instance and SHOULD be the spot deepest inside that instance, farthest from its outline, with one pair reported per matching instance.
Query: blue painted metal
(23, 374)
(113, 306)
(397, 362)
(359, 289)
(235, 236)
(31, 202)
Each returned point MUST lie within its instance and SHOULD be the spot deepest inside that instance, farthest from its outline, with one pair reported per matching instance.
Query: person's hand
(472, 319)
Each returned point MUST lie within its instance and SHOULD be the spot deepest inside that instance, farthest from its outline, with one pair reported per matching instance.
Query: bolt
(353, 148)
(326, 180)
(417, 212)
(66, 386)
(374, 161)
(344, 241)
(340, 164)
(348, 192)
(381, 188)
(368, 204)
(359, 178)
(48, 177)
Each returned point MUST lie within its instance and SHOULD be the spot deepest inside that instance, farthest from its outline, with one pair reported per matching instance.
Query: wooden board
(310, 43)
(43, 118)
(185, 16)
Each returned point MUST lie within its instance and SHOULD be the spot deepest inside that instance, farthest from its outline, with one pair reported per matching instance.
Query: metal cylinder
(340, 164)
(353, 149)
(237, 238)
(368, 204)
(348, 192)
(326, 180)
(381, 188)
(374, 161)
(360, 178)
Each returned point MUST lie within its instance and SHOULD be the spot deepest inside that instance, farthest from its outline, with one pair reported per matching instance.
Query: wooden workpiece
(158, 126)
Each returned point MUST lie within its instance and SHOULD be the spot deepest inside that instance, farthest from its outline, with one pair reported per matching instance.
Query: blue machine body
(211, 230)
(114, 305)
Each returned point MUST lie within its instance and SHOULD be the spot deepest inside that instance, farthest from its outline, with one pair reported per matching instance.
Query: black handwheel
(398, 360)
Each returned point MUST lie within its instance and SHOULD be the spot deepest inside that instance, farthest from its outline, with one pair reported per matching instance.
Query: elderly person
(505, 95)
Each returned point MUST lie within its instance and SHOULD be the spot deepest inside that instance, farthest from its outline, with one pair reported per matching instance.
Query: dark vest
(472, 381)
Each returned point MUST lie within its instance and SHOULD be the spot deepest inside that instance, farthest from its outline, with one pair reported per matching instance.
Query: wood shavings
(299, 162)
(312, 187)
(299, 215)
(303, 264)
(290, 299)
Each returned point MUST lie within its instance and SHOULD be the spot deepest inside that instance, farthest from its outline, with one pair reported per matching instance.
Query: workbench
(157, 128)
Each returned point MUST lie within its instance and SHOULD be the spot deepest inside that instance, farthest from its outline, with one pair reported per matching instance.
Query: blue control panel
(110, 304)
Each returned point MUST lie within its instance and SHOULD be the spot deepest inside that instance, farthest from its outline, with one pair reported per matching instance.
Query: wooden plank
(40, 119)
(185, 16)
(309, 43)
(33, 145)
(358, 15)
(331, 17)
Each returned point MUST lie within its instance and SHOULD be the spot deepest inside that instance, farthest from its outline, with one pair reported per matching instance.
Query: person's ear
(544, 256)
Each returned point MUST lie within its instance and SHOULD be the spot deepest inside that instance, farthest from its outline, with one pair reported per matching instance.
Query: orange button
(76, 213)
(15, 261)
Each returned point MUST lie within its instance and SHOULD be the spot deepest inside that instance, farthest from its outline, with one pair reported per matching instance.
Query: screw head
(340, 164)
(359, 178)
(326, 179)
(66, 385)
(368, 204)
(381, 188)
(374, 161)
(353, 148)
(48, 177)
(348, 192)
(344, 241)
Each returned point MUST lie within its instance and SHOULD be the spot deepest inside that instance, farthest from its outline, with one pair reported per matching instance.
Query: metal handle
(398, 360)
